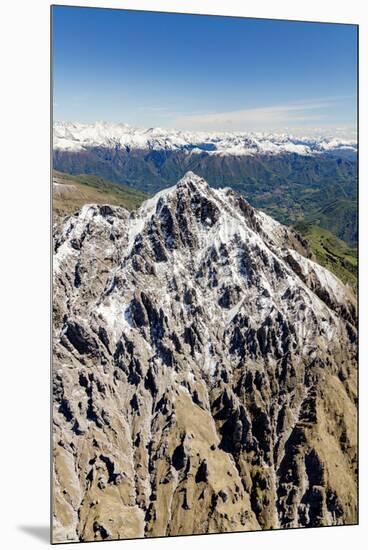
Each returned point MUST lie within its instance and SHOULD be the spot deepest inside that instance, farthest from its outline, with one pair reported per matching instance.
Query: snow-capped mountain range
(75, 136)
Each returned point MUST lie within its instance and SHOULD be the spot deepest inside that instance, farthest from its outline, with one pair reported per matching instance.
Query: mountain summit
(204, 372)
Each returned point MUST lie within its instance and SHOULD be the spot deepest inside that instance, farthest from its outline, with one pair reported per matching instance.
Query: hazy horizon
(342, 133)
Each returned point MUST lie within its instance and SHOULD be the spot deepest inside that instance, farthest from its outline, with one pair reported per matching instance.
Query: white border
(24, 230)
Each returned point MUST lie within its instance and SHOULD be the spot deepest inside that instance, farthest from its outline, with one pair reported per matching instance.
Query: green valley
(331, 252)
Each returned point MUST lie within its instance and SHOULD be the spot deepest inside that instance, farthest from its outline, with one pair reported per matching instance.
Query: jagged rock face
(204, 373)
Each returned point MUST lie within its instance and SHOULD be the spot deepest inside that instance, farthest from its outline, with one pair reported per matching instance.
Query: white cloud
(274, 117)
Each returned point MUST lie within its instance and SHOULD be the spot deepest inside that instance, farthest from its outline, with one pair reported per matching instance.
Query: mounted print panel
(204, 274)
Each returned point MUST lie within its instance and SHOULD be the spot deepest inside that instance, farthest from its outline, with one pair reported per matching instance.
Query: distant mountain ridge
(75, 136)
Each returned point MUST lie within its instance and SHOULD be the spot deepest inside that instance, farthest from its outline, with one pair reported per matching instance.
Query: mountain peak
(192, 181)
(191, 177)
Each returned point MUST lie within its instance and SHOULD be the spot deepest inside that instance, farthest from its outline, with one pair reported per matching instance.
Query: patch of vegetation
(340, 217)
(331, 252)
(72, 192)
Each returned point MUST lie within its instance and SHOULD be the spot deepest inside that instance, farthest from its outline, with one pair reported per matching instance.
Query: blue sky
(203, 73)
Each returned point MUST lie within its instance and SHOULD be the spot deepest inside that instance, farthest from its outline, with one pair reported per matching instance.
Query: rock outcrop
(204, 373)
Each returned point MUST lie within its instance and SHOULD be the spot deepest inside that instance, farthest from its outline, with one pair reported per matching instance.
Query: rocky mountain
(204, 372)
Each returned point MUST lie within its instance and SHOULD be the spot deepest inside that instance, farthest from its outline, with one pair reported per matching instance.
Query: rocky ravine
(204, 373)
